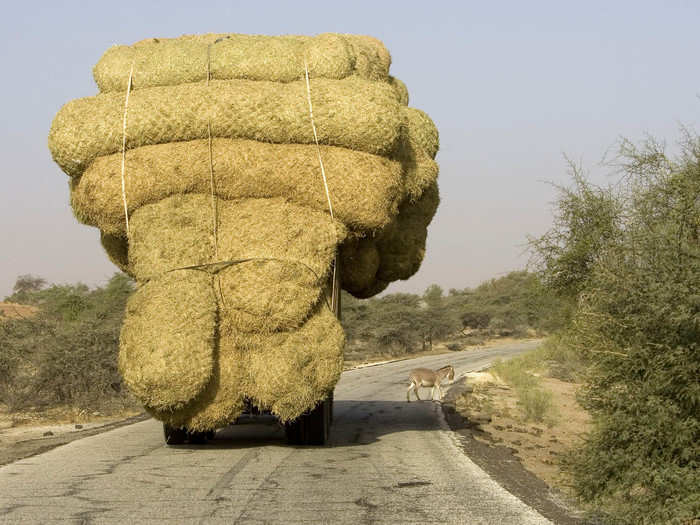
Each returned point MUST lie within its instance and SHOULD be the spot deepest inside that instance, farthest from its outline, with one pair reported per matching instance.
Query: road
(389, 462)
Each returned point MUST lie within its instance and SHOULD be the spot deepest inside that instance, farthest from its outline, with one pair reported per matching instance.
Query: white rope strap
(318, 148)
(126, 110)
(335, 290)
(212, 186)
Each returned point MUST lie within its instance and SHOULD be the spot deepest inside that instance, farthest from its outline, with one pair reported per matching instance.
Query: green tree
(632, 260)
(24, 286)
(587, 218)
(438, 318)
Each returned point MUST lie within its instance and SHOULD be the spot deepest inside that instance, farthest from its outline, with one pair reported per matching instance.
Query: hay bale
(223, 400)
(378, 286)
(171, 61)
(289, 372)
(285, 372)
(117, 248)
(423, 131)
(401, 244)
(416, 150)
(243, 313)
(372, 59)
(242, 168)
(351, 113)
(285, 253)
(359, 263)
(166, 347)
(400, 88)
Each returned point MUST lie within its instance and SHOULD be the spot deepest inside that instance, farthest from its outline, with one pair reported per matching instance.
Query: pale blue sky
(512, 86)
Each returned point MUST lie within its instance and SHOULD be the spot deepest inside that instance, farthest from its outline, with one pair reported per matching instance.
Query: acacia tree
(24, 286)
(631, 259)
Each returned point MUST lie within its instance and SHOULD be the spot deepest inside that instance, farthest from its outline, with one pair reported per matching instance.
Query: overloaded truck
(242, 181)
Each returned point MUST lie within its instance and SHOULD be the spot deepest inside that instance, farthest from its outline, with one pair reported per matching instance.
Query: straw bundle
(230, 233)
(280, 254)
(168, 339)
(171, 61)
(284, 372)
(243, 168)
(352, 113)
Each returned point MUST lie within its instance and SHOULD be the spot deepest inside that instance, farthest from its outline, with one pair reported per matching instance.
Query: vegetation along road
(389, 462)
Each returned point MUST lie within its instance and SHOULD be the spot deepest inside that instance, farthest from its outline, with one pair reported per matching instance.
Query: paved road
(390, 462)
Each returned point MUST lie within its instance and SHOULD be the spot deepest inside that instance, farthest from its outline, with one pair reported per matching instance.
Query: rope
(218, 266)
(213, 197)
(126, 108)
(212, 187)
(334, 296)
(318, 148)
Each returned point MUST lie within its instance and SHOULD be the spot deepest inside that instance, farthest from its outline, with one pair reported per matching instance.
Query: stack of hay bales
(212, 153)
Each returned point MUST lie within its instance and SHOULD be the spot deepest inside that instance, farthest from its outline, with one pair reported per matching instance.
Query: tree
(25, 285)
(631, 258)
(586, 219)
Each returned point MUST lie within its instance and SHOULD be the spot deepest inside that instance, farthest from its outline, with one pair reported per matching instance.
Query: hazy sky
(512, 86)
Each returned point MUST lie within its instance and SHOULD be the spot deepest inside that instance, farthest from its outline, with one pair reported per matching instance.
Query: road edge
(506, 469)
(33, 447)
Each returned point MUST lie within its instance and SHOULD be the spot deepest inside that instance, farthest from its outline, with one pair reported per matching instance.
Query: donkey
(425, 377)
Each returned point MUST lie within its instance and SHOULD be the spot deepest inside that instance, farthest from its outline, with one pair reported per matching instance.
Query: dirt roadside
(29, 438)
(521, 456)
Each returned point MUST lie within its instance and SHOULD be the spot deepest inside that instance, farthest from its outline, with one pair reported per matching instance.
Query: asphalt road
(389, 462)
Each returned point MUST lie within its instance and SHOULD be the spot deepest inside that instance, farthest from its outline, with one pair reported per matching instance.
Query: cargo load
(242, 181)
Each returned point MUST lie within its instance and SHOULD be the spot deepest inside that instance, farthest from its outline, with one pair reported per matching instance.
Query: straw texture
(230, 234)
(352, 113)
(167, 339)
(283, 254)
(171, 61)
(242, 168)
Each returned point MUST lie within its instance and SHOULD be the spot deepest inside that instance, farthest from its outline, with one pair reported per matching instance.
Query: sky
(513, 88)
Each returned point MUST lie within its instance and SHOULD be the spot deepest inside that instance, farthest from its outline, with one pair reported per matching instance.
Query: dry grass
(285, 372)
(245, 169)
(499, 412)
(261, 239)
(351, 113)
(17, 311)
(168, 339)
(170, 61)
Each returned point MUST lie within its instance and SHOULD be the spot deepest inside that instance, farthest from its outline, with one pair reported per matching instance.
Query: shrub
(630, 259)
(67, 353)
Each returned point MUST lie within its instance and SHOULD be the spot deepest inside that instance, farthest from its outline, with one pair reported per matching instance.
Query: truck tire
(313, 427)
(174, 436)
(179, 436)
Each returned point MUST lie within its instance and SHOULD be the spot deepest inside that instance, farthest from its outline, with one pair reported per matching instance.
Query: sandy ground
(491, 417)
(26, 434)
(17, 311)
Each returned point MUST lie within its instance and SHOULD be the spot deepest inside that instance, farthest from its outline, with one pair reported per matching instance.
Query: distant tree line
(514, 305)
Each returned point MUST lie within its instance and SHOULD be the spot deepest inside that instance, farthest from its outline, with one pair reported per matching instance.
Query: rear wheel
(197, 438)
(174, 436)
(313, 427)
(179, 436)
